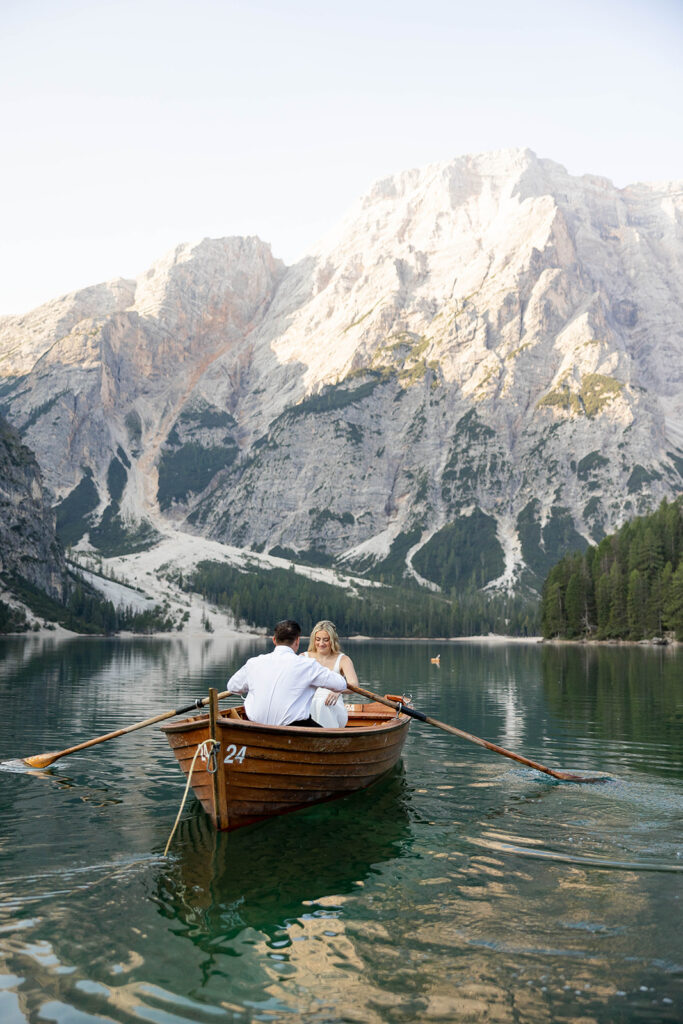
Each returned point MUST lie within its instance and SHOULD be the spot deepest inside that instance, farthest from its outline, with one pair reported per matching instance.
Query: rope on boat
(207, 752)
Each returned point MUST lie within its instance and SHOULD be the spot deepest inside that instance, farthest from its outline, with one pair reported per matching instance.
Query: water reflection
(628, 696)
(61, 664)
(72, 690)
(217, 884)
(460, 889)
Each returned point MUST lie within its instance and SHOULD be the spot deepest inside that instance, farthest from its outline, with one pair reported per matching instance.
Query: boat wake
(15, 765)
(571, 858)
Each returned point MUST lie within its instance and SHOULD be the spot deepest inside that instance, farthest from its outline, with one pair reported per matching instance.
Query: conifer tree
(629, 586)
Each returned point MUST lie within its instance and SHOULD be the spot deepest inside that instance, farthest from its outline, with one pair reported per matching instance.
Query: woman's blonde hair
(330, 628)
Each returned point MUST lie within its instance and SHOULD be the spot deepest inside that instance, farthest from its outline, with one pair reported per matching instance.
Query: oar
(413, 713)
(45, 760)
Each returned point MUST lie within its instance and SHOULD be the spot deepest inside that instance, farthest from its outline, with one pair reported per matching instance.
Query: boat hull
(264, 771)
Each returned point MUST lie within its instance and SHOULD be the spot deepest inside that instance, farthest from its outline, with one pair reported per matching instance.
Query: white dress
(330, 716)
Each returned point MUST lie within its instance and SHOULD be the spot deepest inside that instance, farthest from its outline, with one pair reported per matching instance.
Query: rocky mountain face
(480, 369)
(28, 545)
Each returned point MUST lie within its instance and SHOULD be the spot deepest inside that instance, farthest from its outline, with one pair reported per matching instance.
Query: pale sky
(129, 126)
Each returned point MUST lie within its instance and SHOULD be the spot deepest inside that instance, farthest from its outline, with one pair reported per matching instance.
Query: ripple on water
(630, 825)
(469, 887)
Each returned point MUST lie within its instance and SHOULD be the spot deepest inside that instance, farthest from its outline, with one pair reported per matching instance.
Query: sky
(130, 126)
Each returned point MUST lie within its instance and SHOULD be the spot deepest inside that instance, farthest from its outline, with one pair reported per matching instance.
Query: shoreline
(230, 633)
(489, 638)
(585, 642)
(59, 632)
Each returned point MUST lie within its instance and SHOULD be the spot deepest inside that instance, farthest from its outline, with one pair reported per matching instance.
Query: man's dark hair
(286, 632)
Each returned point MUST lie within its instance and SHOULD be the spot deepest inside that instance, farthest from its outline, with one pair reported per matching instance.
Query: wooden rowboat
(266, 770)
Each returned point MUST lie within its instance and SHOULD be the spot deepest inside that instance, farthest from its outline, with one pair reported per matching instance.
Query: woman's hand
(331, 698)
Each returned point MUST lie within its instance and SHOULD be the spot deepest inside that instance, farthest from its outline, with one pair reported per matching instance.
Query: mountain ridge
(487, 348)
(28, 546)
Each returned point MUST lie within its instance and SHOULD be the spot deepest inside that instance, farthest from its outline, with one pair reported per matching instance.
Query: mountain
(480, 369)
(28, 546)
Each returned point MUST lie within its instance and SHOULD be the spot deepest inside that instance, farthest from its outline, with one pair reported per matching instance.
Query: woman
(324, 647)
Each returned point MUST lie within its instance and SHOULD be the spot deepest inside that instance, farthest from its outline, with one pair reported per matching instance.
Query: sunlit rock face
(485, 357)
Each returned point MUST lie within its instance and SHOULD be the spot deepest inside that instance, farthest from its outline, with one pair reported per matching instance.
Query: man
(280, 685)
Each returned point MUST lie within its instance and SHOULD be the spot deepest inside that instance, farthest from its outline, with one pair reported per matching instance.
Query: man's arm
(239, 682)
(330, 680)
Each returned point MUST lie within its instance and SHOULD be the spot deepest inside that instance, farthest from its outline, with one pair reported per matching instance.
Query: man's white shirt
(280, 685)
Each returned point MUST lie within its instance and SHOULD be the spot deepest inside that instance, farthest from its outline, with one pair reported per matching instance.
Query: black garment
(307, 722)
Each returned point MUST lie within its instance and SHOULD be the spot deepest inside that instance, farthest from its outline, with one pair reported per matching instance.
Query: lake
(462, 887)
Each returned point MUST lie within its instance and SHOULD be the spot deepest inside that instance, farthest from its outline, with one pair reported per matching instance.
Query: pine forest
(628, 587)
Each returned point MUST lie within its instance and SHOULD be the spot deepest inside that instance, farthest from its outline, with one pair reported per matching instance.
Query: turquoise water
(462, 887)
